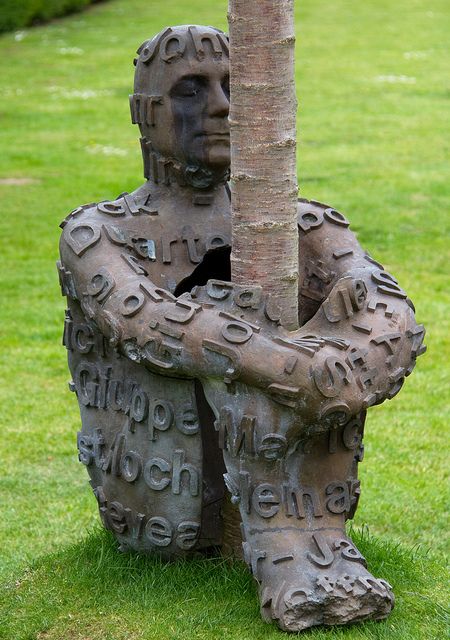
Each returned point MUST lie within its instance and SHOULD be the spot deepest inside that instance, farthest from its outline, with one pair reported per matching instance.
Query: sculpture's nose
(218, 101)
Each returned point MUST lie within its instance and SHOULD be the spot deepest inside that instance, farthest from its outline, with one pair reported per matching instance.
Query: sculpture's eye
(226, 86)
(188, 87)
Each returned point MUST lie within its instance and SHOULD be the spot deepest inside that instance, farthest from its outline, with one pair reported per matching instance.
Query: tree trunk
(263, 145)
(263, 167)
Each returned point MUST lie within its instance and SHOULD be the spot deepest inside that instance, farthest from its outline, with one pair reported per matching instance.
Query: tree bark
(263, 167)
(263, 146)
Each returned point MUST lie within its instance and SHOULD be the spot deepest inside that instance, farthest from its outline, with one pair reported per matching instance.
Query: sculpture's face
(199, 104)
(185, 72)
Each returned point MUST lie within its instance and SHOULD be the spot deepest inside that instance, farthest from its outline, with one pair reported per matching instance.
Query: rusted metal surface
(182, 376)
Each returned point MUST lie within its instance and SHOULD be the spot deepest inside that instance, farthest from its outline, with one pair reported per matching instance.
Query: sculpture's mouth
(218, 135)
(215, 135)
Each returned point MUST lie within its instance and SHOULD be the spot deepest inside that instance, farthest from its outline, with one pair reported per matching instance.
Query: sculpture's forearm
(371, 341)
(172, 336)
(353, 353)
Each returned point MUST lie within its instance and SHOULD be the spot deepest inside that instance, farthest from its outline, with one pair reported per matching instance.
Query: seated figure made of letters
(188, 385)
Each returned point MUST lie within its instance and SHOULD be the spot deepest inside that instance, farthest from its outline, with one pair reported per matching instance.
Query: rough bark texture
(263, 141)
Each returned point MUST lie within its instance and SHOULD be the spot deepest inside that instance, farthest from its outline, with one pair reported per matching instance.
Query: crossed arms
(358, 342)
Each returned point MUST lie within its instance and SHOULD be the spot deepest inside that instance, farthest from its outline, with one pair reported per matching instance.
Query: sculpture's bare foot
(315, 577)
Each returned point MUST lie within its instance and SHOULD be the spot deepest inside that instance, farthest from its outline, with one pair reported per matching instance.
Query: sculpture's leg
(155, 481)
(294, 495)
(143, 444)
(148, 475)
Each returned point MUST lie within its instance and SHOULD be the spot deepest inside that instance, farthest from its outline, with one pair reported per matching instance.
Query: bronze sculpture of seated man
(188, 385)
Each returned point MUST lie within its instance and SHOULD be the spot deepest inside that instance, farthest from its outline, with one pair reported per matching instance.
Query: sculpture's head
(181, 102)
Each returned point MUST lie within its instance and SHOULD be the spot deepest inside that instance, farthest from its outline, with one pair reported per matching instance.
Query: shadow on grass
(91, 591)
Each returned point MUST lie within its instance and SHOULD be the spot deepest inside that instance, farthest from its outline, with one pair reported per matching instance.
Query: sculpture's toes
(332, 600)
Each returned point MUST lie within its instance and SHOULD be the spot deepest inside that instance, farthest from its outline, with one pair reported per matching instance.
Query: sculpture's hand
(366, 341)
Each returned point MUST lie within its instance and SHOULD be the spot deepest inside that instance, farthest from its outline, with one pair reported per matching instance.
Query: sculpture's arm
(355, 352)
(358, 305)
(327, 250)
(223, 331)
(369, 320)
(172, 336)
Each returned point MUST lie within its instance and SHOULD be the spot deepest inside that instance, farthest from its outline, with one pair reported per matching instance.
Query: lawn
(373, 141)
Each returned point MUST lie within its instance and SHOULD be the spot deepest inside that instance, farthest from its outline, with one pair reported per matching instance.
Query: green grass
(373, 141)
(88, 590)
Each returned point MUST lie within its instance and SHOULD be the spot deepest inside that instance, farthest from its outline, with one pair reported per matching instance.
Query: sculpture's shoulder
(313, 216)
(127, 206)
(324, 232)
(79, 228)
(118, 222)
(83, 212)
